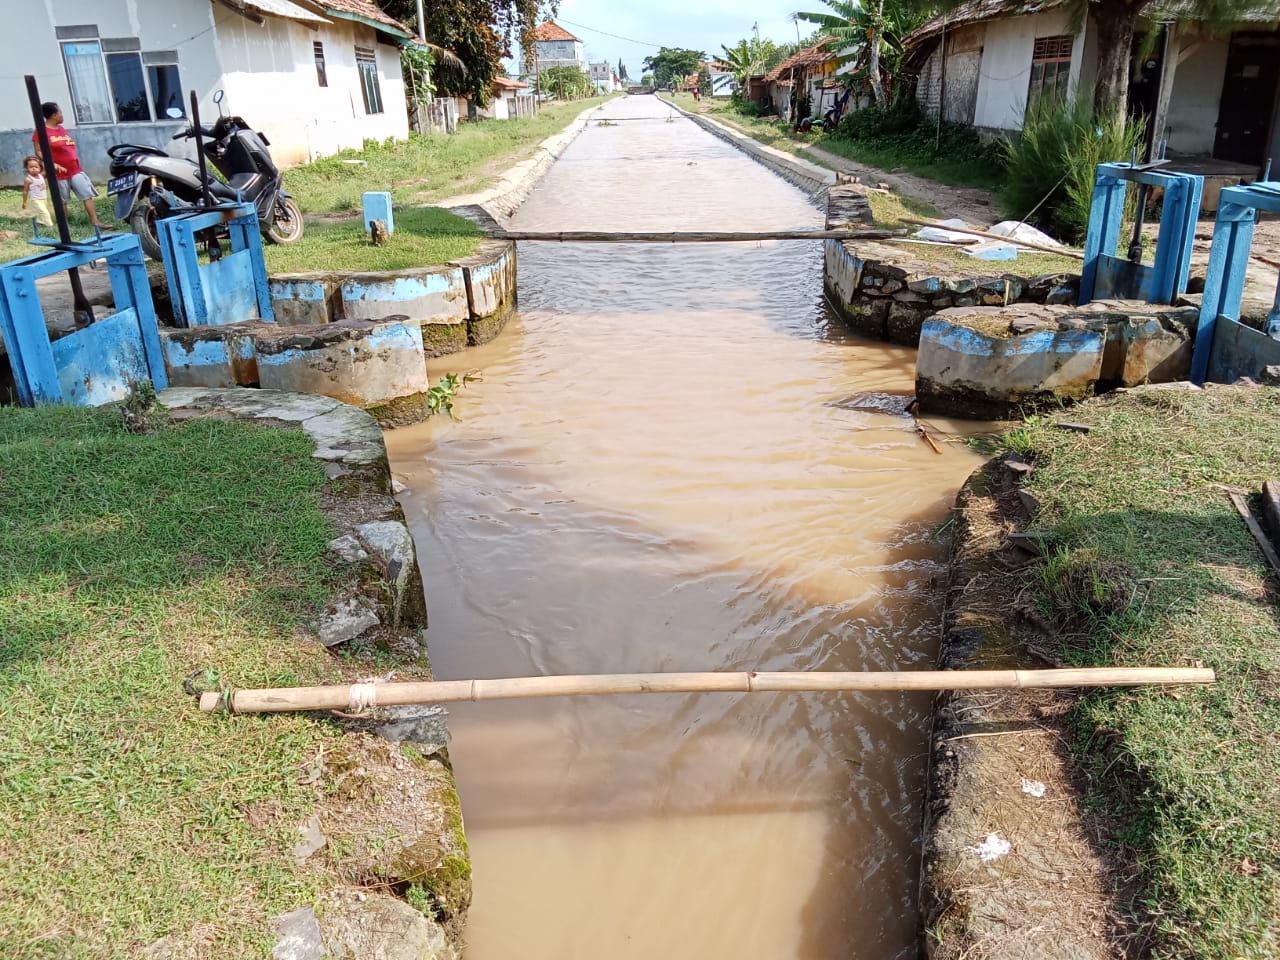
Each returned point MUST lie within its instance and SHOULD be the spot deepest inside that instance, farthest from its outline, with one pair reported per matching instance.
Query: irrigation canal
(671, 465)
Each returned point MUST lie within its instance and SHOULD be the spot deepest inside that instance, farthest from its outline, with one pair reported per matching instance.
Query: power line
(583, 26)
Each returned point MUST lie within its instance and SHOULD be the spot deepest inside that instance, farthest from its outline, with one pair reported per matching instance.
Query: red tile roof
(506, 83)
(550, 30)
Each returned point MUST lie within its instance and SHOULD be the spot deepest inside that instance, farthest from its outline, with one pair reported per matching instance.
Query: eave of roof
(359, 11)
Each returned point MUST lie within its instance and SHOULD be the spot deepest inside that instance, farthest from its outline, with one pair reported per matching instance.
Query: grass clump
(1049, 168)
(901, 136)
(423, 236)
(127, 561)
(1152, 566)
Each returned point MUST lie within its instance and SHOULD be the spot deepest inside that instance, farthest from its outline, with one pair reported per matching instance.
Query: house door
(1248, 97)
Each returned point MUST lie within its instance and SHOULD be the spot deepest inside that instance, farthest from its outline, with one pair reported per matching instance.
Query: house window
(1050, 71)
(322, 78)
(367, 64)
(113, 81)
(128, 85)
(166, 85)
(90, 95)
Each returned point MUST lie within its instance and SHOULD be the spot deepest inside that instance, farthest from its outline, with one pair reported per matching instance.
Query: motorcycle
(149, 184)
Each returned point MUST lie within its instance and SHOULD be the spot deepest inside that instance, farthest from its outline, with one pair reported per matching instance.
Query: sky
(695, 24)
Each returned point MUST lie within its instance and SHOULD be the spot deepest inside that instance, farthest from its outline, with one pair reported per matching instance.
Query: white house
(1211, 95)
(314, 75)
(554, 46)
(602, 76)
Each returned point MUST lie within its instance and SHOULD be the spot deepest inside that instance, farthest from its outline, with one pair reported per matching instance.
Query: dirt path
(974, 205)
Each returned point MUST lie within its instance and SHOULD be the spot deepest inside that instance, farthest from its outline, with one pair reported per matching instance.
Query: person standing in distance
(66, 162)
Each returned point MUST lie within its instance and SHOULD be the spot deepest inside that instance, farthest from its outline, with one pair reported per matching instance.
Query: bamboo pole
(357, 697)
(1043, 248)
(590, 236)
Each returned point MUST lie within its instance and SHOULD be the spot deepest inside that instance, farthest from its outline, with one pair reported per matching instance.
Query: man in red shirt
(66, 162)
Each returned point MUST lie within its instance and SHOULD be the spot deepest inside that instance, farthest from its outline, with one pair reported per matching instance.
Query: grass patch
(1154, 567)
(943, 168)
(913, 151)
(14, 218)
(424, 235)
(427, 167)
(126, 562)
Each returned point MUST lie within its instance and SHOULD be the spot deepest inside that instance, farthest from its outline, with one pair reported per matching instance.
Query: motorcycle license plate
(121, 184)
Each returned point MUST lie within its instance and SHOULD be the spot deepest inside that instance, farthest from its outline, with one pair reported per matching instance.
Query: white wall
(270, 79)
(1006, 66)
(31, 47)
(266, 70)
(1197, 94)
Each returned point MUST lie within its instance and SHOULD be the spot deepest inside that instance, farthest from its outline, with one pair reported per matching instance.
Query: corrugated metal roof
(809, 57)
(276, 8)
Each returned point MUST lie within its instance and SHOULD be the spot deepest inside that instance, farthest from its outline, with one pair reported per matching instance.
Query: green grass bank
(1151, 565)
(942, 166)
(126, 562)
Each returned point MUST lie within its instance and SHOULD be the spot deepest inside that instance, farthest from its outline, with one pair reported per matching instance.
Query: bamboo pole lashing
(356, 697)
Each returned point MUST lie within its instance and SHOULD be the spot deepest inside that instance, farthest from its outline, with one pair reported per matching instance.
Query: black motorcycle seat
(221, 190)
(249, 184)
(128, 148)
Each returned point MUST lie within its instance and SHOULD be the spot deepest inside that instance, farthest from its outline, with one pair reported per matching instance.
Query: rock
(300, 937)
(345, 620)
(163, 949)
(381, 928)
(1030, 324)
(1030, 503)
(392, 544)
(1271, 375)
(397, 487)
(313, 840)
(427, 727)
(347, 549)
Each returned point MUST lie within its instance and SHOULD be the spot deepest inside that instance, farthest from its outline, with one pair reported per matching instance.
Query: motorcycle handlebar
(190, 132)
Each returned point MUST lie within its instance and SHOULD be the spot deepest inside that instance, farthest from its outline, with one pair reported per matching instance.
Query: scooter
(149, 184)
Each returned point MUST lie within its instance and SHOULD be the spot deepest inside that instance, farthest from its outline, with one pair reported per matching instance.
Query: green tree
(480, 32)
(566, 83)
(749, 58)
(622, 70)
(1117, 22)
(670, 62)
(875, 34)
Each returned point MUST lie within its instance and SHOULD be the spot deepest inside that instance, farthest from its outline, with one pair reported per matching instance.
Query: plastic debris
(1033, 788)
(938, 235)
(992, 848)
(1015, 230)
(993, 250)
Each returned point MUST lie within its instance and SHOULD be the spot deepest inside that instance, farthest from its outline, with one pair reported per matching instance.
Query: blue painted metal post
(1107, 273)
(377, 206)
(1228, 260)
(94, 364)
(227, 290)
(1106, 211)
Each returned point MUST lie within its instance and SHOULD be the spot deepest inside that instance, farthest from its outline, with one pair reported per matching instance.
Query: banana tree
(872, 34)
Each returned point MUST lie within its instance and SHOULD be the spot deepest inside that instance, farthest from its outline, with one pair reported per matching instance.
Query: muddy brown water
(676, 461)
